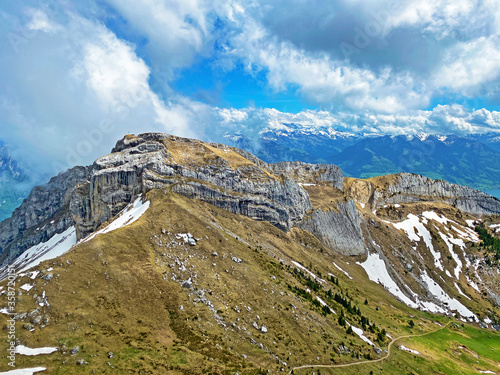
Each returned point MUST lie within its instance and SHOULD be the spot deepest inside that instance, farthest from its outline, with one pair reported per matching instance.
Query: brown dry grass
(136, 313)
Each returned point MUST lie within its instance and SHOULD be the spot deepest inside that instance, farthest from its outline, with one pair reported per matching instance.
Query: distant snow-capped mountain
(472, 160)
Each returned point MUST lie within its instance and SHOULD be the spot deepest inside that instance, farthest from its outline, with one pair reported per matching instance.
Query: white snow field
(376, 270)
(24, 371)
(127, 216)
(413, 223)
(24, 350)
(56, 246)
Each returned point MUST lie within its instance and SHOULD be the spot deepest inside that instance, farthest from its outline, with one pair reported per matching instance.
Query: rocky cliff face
(309, 173)
(41, 215)
(338, 230)
(411, 188)
(408, 188)
(214, 173)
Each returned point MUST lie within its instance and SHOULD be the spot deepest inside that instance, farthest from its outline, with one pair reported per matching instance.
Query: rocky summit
(175, 256)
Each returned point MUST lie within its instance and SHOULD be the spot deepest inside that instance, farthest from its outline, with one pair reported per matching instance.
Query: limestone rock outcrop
(42, 214)
(309, 173)
(413, 188)
(214, 173)
(338, 230)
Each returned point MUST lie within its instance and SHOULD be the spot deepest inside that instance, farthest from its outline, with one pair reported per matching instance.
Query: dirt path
(375, 360)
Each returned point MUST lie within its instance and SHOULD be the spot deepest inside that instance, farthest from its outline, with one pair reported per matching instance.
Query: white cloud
(438, 16)
(469, 65)
(323, 80)
(444, 119)
(87, 89)
(40, 21)
(232, 115)
(71, 87)
(452, 45)
(177, 31)
(113, 71)
(492, 9)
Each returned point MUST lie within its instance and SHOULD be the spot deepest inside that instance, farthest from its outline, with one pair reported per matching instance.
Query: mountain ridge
(90, 196)
(188, 257)
(466, 160)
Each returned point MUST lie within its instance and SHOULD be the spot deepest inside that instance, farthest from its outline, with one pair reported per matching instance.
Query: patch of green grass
(126, 302)
(462, 350)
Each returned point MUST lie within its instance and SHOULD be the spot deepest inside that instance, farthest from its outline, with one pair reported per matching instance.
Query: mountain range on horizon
(173, 255)
(467, 160)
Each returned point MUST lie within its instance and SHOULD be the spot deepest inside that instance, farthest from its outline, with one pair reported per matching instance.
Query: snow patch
(26, 287)
(376, 270)
(470, 223)
(359, 332)
(450, 241)
(127, 216)
(23, 350)
(56, 246)
(323, 303)
(441, 295)
(495, 227)
(340, 269)
(466, 233)
(298, 265)
(472, 284)
(402, 347)
(24, 371)
(422, 136)
(431, 215)
(442, 138)
(413, 222)
(460, 291)
(5, 311)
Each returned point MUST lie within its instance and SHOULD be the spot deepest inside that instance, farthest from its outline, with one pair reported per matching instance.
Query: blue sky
(78, 75)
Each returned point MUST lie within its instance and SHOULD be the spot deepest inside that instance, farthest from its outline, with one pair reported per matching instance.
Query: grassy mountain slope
(161, 305)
